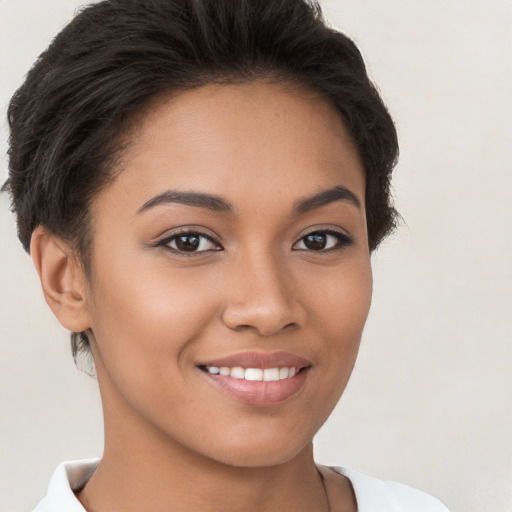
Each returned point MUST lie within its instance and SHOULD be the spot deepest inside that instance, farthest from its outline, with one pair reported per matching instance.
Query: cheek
(341, 298)
(339, 306)
(145, 315)
(348, 302)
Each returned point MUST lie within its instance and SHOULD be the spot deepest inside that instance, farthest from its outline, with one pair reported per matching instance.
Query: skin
(174, 441)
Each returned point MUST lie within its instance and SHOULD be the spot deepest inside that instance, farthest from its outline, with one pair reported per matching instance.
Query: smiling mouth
(254, 374)
(258, 379)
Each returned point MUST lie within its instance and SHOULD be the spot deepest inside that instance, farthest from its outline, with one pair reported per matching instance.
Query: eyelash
(186, 232)
(343, 240)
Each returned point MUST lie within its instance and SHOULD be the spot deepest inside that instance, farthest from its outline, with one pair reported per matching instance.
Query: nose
(262, 298)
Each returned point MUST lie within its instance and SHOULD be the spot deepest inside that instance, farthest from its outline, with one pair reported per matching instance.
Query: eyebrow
(218, 204)
(326, 197)
(201, 200)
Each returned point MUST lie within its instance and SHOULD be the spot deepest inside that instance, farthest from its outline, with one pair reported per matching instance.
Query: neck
(142, 469)
(150, 478)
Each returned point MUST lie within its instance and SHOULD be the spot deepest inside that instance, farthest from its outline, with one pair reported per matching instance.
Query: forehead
(259, 138)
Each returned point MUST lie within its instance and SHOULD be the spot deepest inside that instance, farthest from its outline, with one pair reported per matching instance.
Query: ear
(62, 279)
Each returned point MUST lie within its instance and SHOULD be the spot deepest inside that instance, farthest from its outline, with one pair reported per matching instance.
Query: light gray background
(430, 400)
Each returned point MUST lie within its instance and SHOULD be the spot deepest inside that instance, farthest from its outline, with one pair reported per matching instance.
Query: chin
(258, 457)
(255, 449)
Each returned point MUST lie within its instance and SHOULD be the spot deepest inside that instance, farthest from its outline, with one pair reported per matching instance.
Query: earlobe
(62, 279)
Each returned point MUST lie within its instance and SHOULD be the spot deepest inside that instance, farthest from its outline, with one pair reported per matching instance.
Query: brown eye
(315, 241)
(323, 241)
(190, 243)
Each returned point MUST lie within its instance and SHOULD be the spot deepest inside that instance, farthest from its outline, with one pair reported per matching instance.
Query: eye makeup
(194, 242)
(323, 240)
(189, 242)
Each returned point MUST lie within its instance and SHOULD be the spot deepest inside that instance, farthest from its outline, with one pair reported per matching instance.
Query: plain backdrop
(430, 401)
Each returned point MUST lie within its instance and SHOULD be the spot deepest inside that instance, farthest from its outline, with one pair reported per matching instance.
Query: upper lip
(259, 360)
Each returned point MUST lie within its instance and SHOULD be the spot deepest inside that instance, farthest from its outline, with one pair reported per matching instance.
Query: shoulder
(373, 495)
(68, 477)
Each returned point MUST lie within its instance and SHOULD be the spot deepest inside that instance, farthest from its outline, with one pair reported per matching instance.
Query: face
(230, 273)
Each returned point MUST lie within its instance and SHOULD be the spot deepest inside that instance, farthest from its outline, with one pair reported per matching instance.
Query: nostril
(267, 313)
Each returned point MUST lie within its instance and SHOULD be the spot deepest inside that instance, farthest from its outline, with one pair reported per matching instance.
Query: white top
(372, 495)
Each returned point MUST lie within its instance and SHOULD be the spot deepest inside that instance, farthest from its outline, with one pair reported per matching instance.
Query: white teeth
(237, 373)
(270, 374)
(253, 374)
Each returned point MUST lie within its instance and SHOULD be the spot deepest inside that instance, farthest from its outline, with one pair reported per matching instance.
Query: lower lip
(260, 392)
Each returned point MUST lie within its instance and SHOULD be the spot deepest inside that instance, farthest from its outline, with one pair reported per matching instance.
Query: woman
(200, 185)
